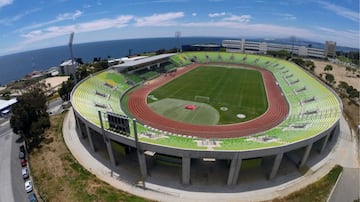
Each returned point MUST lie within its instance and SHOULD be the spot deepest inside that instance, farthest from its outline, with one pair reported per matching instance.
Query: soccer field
(231, 91)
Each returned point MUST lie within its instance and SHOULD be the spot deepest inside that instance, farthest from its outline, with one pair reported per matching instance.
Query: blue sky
(27, 25)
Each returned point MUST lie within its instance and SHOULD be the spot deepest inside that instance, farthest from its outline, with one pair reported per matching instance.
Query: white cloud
(11, 20)
(286, 16)
(86, 6)
(255, 30)
(227, 25)
(5, 2)
(69, 16)
(344, 37)
(214, 15)
(164, 19)
(55, 31)
(61, 17)
(230, 17)
(341, 11)
(238, 18)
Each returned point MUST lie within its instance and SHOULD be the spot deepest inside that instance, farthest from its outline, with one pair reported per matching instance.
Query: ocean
(16, 66)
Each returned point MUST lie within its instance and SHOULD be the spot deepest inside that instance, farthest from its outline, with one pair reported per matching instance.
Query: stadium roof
(145, 60)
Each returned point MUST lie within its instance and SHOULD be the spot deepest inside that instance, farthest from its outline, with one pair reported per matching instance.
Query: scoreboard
(118, 123)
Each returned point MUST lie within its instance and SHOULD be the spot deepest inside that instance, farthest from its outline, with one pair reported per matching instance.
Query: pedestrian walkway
(222, 193)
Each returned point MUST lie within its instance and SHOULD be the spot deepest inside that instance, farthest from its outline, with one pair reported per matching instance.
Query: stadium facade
(312, 123)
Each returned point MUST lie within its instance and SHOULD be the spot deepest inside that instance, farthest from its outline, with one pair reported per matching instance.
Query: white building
(68, 67)
(255, 47)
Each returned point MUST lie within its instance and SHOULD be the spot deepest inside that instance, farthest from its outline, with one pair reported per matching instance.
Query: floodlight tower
(177, 36)
(72, 56)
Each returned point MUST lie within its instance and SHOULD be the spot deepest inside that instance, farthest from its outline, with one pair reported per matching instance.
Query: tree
(29, 118)
(299, 61)
(343, 85)
(310, 65)
(82, 72)
(328, 68)
(330, 78)
(281, 54)
(6, 95)
(66, 89)
(79, 60)
(100, 65)
(352, 92)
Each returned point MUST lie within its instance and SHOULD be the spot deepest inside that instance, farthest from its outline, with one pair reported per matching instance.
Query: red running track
(275, 114)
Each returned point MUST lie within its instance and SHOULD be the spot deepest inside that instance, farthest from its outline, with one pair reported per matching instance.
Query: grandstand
(312, 117)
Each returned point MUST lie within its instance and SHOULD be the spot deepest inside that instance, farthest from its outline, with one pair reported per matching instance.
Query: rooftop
(144, 60)
(7, 103)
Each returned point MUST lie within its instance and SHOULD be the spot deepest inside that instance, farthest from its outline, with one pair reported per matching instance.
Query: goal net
(202, 99)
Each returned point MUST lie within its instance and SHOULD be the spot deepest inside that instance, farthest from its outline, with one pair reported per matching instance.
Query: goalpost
(202, 99)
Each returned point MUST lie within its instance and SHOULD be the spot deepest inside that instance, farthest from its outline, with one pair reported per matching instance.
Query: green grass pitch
(241, 91)
(174, 109)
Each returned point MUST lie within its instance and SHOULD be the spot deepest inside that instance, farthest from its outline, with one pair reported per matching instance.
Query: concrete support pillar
(77, 122)
(334, 133)
(142, 164)
(110, 151)
(234, 170)
(91, 139)
(306, 155)
(80, 126)
(140, 153)
(276, 165)
(322, 148)
(186, 163)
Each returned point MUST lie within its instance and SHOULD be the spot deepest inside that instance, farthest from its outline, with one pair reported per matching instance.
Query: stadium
(240, 112)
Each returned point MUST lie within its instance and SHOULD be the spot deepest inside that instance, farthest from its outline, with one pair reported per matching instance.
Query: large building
(256, 47)
(68, 67)
(330, 49)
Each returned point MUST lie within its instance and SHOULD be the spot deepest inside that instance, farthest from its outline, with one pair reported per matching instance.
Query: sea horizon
(15, 66)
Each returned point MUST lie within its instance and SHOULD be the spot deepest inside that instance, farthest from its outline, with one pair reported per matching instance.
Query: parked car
(32, 197)
(22, 148)
(21, 155)
(23, 162)
(28, 186)
(25, 172)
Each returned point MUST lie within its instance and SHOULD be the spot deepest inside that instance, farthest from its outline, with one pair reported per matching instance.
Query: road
(6, 138)
(11, 183)
(55, 106)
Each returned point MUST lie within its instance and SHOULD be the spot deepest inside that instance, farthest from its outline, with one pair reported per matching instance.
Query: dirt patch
(339, 71)
(59, 177)
(55, 81)
(351, 112)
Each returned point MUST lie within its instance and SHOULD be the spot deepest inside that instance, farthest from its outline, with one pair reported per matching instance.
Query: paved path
(161, 193)
(348, 187)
